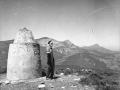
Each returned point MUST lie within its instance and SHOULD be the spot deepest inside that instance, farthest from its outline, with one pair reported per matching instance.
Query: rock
(24, 36)
(7, 82)
(52, 86)
(41, 86)
(61, 74)
(76, 79)
(24, 57)
(62, 87)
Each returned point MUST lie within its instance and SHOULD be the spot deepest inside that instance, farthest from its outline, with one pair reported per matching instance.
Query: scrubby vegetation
(66, 71)
(101, 80)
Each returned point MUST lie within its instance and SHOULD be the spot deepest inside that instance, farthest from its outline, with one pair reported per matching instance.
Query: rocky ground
(61, 82)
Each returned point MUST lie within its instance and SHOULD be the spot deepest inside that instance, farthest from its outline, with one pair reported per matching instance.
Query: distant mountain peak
(93, 46)
(98, 48)
(68, 42)
(96, 45)
(45, 38)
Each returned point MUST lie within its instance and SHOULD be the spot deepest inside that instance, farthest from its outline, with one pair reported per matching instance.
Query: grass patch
(101, 80)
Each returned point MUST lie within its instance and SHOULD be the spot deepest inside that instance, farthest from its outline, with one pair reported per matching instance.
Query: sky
(83, 22)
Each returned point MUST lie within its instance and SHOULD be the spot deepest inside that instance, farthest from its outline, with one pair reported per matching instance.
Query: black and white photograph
(59, 44)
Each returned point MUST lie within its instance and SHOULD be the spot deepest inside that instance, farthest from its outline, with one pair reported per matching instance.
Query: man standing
(50, 61)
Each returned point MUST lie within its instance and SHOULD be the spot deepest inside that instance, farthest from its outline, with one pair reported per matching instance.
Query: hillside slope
(66, 53)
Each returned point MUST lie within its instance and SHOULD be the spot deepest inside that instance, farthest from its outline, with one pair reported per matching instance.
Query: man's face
(51, 44)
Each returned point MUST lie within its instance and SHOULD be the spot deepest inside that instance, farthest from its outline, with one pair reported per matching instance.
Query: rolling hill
(68, 54)
(98, 48)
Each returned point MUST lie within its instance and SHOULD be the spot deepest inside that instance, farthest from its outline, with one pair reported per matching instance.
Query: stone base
(24, 61)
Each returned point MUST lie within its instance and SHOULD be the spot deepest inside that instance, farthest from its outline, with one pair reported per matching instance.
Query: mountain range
(68, 54)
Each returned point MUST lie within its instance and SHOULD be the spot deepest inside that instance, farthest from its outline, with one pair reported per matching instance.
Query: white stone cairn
(24, 57)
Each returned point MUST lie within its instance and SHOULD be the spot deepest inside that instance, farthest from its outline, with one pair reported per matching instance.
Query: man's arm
(48, 49)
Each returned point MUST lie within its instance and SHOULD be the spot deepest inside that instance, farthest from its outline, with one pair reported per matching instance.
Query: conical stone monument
(24, 57)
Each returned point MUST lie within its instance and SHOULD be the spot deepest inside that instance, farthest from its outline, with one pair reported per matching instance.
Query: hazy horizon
(83, 22)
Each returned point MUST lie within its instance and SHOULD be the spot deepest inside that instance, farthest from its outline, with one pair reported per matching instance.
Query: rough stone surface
(24, 57)
(24, 36)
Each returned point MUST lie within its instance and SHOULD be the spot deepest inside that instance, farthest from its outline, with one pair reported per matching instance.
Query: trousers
(50, 65)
